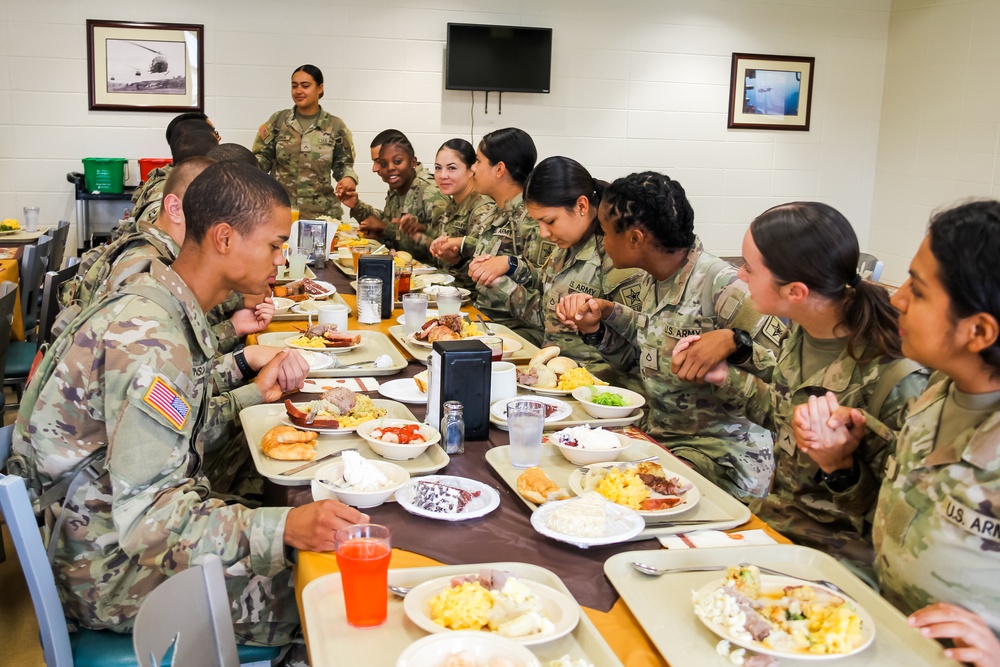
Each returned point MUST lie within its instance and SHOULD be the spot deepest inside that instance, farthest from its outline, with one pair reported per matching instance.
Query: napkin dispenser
(461, 370)
(379, 266)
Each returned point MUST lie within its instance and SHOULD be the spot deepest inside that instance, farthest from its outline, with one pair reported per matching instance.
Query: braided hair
(655, 203)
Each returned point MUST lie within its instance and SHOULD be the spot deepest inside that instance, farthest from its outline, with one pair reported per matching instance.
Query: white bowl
(362, 499)
(281, 304)
(433, 650)
(391, 450)
(510, 346)
(586, 457)
(586, 398)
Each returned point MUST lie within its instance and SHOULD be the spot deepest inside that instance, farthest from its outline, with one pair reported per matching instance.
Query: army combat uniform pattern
(423, 201)
(147, 198)
(937, 523)
(507, 230)
(302, 159)
(582, 269)
(688, 418)
(801, 508)
(132, 375)
(454, 222)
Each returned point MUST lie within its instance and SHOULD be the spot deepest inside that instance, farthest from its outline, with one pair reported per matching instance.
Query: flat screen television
(500, 58)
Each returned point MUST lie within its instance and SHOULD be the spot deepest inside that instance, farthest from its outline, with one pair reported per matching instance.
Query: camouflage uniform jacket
(584, 268)
(134, 380)
(686, 417)
(937, 523)
(88, 279)
(508, 230)
(804, 510)
(303, 159)
(147, 197)
(456, 221)
(423, 201)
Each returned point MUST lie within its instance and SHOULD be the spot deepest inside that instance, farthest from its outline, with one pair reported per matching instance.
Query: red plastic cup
(363, 553)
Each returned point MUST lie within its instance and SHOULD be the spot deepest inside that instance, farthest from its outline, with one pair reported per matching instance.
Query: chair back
(16, 508)
(189, 611)
(869, 267)
(34, 263)
(58, 249)
(8, 297)
(50, 302)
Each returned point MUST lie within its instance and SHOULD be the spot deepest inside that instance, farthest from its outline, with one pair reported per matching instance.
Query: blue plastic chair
(83, 648)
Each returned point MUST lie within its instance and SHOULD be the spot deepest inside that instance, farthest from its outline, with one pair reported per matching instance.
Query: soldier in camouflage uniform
(648, 223)
(801, 263)
(129, 381)
(937, 522)
(304, 145)
(412, 204)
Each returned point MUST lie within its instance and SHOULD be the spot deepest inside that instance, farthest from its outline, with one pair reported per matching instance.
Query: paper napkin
(717, 538)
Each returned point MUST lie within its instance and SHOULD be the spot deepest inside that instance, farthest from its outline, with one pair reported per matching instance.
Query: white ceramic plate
(306, 307)
(330, 289)
(316, 360)
(413, 340)
(433, 290)
(324, 431)
(623, 525)
(404, 390)
(547, 392)
(335, 350)
(431, 314)
(420, 282)
(434, 650)
(559, 608)
(487, 500)
(689, 498)
(770, 583)
(499, 409)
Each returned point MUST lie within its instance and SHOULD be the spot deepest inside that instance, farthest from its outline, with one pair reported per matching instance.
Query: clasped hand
(828, 432)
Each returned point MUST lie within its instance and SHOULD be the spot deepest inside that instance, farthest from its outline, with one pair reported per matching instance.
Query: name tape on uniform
(981, 525)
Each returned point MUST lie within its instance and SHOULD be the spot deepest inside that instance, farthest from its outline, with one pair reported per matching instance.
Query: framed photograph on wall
(145, 66)
(770, 92)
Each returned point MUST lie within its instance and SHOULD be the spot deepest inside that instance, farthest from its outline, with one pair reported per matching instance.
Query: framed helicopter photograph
(145, 66)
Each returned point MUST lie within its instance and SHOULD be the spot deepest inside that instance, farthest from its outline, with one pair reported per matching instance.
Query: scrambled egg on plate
(623, 487)
(578, 377)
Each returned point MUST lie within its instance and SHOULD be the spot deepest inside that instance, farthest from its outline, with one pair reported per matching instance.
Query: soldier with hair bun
(648, 223)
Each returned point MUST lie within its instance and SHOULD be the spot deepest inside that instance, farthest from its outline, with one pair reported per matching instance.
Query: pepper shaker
(453, 428)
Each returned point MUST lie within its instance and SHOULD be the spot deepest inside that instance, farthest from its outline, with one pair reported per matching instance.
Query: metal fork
(583, 470)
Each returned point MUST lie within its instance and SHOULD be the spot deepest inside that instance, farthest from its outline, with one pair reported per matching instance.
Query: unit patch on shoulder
(162, 398)
(263, 132)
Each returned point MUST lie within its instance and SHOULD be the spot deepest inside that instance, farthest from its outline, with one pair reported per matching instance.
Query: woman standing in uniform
(648, 223)
(412, 203)
(801, 264)
(453, 175)
(304, 145)
(937, 541)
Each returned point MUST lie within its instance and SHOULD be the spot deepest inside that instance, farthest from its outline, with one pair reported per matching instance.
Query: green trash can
(105, 174)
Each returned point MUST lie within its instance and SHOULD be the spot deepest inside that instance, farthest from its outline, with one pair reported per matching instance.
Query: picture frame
(768, 92)
(145, 66)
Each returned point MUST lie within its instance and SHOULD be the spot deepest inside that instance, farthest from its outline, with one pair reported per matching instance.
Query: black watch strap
(594, 339)
(841, 480)
(241, 363)
(744, 347)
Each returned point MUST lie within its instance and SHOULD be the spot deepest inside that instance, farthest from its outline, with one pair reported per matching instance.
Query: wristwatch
(594, 339)
(239, 356)
(511, 265)
(744, 348)
(841, 480)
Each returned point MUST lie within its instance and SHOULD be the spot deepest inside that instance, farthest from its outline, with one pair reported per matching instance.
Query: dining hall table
(10, 271)
(505, 535)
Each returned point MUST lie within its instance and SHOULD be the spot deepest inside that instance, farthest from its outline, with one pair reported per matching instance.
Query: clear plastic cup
(363, 553)
(449, 301)
(31, 214)
(525, 421)
(297, 264)
(414, 312)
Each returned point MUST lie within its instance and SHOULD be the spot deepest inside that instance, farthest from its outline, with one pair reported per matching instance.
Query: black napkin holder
(463, 372)
(379, 266)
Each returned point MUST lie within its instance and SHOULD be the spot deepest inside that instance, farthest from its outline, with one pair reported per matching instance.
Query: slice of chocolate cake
(442, 498)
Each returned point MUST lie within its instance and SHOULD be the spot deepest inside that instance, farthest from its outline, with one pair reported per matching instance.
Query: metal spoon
(401, 591)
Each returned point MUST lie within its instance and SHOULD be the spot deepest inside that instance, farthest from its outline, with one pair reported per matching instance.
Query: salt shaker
(319, 255)
(453, 428)
(370, 300)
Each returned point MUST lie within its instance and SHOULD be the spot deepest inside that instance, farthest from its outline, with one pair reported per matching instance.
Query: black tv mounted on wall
(499, 58)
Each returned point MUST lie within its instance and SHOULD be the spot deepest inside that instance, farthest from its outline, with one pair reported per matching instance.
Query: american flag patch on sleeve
(168, 403)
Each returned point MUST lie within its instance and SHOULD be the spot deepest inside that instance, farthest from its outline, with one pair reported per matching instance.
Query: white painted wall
(938, 143)
(637, 84)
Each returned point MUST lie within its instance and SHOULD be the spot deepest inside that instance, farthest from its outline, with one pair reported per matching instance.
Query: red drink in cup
(363, 553)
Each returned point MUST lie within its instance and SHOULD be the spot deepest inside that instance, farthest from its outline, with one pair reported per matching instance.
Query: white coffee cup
(503, 381)
(334, 313)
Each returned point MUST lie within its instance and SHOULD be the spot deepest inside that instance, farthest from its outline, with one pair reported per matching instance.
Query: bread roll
(286, 443)
(421, 380)
(543, 355)
(561, 365)
(535, 486)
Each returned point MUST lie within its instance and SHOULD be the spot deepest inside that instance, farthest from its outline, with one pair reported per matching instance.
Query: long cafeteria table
(504, 535)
